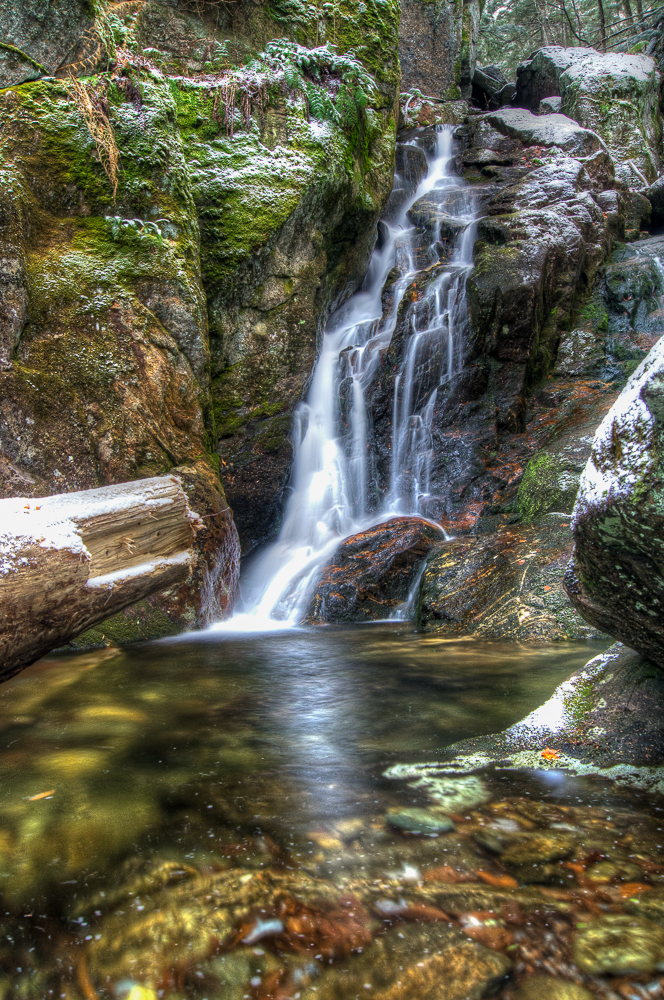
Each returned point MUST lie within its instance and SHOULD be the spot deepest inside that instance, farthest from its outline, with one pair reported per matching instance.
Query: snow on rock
(546, 130)
(616, 575)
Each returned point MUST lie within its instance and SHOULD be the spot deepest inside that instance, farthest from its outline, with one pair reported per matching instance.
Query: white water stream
(333, 486)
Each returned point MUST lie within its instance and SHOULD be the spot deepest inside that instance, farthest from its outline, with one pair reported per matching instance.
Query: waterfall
(333, 480)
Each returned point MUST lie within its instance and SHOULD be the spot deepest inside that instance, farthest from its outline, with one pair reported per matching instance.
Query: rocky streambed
(173, 824)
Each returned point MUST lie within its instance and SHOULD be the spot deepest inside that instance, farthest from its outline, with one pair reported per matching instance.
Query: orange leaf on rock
(633, 889)
(549, 754)
(500, 881)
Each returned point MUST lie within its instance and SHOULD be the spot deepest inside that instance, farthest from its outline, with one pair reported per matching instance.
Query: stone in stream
(433, 962)
(619, 945)
(372, 573)
(616, 575)
(546, 130)
(419, 821)
(542, 987)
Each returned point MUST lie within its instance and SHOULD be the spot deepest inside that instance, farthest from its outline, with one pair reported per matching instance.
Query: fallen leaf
(42, 795)
(500, 881)
(632, 889)
(550, 754)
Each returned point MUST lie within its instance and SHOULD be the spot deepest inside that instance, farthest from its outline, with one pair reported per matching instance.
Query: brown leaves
(328, 930)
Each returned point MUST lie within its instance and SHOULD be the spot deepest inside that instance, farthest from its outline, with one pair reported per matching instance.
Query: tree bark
(602, 25)
(71, 560)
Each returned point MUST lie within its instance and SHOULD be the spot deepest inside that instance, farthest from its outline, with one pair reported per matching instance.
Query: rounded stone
(619, 945)
(549, 988)
(419, 821)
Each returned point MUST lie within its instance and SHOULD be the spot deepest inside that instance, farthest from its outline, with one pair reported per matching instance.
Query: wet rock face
(502, 585)
(615, 95)
(616, 575)
(604, 716)
(437, 44)
(41, 37)
(372, 572)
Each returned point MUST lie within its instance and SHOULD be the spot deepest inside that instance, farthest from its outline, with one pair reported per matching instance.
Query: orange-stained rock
(372, 573)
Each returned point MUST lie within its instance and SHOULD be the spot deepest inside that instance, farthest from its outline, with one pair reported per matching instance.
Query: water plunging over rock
(386, 360)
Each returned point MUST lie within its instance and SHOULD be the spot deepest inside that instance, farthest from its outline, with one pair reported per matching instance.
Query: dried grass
(93, 105)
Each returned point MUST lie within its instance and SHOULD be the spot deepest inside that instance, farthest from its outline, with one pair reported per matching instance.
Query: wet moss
(143, 621)
(547, 485)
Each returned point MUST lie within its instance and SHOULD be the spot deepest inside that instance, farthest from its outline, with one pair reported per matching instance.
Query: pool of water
(209, 817)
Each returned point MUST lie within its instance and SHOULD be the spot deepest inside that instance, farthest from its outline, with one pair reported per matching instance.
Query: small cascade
(335, 488)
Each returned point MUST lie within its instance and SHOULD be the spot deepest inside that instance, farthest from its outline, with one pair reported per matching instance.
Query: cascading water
(333, 479)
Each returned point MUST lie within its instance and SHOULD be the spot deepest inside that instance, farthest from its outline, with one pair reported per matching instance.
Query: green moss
(140, 622)
(547, 485)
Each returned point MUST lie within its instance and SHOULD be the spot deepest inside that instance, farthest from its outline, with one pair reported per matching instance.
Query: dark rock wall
(437, 43)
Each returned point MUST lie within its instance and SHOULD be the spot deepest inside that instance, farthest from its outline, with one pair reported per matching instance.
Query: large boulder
(372, 573)
(614, 94)
(546, 130)
(616, 576)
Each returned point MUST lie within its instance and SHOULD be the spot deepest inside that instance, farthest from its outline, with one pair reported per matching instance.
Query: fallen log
(71, 560)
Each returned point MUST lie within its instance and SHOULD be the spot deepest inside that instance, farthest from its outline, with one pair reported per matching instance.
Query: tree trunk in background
(602, 25)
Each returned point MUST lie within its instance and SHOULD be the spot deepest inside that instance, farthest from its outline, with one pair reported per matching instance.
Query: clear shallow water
(124, 773)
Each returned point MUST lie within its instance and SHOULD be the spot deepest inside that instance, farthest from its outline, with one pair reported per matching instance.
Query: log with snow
(71, 560)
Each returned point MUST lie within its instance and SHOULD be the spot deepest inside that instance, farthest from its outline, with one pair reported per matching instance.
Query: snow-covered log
(71, 560)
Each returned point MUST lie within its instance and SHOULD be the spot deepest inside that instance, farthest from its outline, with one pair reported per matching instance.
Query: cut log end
(69, 561)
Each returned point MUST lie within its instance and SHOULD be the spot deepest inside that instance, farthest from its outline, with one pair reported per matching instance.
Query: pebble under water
(209, 818)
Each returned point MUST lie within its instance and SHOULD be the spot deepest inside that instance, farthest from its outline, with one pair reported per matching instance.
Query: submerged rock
(372, 572)
(619, 945)
(616, 575)
(416, 963)
(548, 988)
(419, 821)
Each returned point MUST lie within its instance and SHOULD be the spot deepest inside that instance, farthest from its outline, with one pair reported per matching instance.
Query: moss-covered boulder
(616, 576)
(615, 94)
